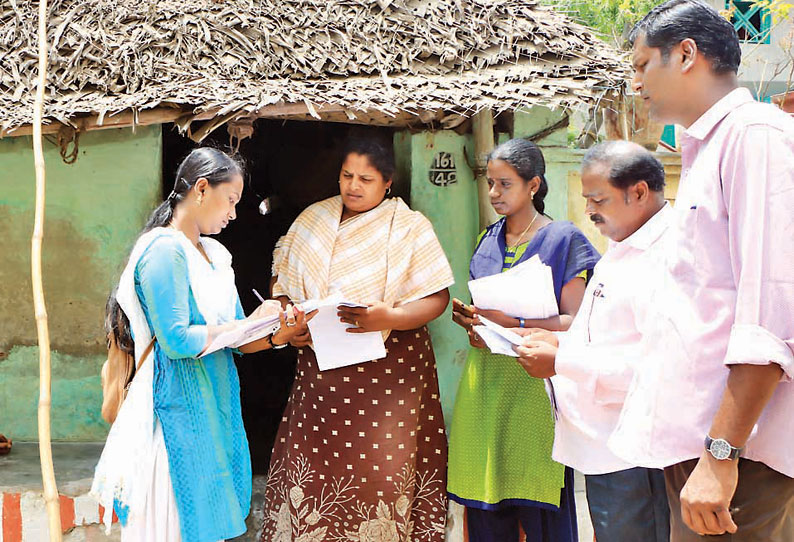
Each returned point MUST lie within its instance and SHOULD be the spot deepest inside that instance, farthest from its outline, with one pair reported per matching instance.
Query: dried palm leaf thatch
(393, 58)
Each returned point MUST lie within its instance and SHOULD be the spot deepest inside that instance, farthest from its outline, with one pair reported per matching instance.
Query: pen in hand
(269, 303)
(258, 296)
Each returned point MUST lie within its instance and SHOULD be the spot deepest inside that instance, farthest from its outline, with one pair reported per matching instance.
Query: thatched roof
(358, 59)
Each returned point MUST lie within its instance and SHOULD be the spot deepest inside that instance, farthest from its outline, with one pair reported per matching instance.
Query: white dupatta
(124, 469)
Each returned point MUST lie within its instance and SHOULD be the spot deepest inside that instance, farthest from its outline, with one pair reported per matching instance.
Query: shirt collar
(651, 231)
(708, 120)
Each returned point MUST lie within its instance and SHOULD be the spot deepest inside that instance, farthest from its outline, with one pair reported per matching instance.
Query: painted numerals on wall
(442, 171)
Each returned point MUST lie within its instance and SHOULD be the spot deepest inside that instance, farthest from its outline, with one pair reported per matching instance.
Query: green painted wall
(94, 210)
(559, 158)
(453, 211)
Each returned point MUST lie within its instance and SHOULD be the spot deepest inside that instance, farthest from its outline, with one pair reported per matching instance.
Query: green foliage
(611, 19)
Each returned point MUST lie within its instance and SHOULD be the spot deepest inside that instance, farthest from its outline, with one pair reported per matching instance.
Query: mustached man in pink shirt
(713, 401)
(592, 365)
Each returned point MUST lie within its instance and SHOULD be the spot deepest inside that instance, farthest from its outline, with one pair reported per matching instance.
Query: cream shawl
(389, 254)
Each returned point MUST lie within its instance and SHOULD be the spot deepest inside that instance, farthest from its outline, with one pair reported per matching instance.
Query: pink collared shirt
(596, 359)
(728, 291)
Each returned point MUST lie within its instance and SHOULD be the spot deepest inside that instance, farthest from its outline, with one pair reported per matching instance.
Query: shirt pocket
(683, 243)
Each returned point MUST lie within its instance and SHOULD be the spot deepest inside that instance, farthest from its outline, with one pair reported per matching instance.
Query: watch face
(720, 449)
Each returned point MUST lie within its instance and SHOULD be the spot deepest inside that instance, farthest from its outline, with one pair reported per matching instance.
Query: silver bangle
(277, 346)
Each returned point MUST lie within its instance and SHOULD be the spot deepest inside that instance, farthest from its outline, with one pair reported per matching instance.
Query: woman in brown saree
(361, 451)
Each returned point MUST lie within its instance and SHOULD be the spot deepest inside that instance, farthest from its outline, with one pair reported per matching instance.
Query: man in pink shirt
(623, 185)
(713, 401)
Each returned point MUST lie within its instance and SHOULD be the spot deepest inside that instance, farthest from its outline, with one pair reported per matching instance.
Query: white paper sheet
(244, 334)
(498, 339)
(335, 347)
(526, 291)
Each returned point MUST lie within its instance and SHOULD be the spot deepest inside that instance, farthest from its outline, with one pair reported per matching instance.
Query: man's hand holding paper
(537, 357)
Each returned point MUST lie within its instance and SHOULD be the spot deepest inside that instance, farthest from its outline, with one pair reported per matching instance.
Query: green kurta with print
(502, 433)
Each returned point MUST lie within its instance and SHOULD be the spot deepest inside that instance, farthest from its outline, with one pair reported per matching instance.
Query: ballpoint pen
(258, 296)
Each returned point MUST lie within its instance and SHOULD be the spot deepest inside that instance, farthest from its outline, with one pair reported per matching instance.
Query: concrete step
(23, 517)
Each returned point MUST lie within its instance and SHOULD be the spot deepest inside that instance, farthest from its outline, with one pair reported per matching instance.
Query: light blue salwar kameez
(196, 400)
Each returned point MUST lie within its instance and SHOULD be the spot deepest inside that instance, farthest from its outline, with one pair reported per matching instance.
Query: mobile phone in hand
(460, 306)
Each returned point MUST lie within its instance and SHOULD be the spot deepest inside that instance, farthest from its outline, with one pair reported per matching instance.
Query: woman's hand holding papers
(268, 308)
(291, 321)
(497, 317)
(301, 336)
(380, 316)
(374, 317)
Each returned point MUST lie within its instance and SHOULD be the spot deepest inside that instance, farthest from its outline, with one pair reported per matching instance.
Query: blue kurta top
(197, 401)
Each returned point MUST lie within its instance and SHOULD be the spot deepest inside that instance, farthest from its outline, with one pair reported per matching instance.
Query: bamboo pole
(45, 376)
(482, 127)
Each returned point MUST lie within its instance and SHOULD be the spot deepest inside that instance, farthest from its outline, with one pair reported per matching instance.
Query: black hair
(629, 163)
(674, 21)
(117, 324)
(380, 155)
(527, 159)
(202, 163)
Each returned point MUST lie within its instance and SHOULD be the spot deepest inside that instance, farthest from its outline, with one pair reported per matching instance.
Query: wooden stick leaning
(482, 127)
(45, 374)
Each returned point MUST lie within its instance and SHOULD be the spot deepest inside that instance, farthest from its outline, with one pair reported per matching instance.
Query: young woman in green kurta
(502, 430)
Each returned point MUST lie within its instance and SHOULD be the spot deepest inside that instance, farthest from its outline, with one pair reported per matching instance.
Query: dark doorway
(295, 164)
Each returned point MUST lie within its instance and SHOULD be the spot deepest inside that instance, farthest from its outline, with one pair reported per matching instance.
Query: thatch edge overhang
(542, 59)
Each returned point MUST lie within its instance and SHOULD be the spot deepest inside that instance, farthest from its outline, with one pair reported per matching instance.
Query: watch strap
(717, 448)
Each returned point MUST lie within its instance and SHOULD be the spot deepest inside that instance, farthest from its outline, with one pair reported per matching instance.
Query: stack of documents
(332, 344)
(244, 334)
(525, 291)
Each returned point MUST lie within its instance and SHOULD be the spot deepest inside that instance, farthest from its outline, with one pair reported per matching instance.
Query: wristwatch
(721, 449)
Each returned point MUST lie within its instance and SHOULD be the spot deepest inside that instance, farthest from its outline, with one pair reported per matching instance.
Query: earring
(388, 190)
(199, 198)
(531, 195)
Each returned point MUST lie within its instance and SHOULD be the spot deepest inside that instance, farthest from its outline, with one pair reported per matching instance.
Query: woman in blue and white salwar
(176, 465)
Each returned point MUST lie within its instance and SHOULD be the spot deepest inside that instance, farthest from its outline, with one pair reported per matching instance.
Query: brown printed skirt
(361, 453)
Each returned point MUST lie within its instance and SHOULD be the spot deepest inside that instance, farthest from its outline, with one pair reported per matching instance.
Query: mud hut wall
(94, 209)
